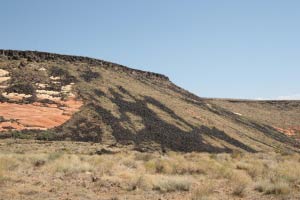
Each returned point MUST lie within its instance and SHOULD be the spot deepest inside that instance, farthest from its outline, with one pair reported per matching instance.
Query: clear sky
(214, 48)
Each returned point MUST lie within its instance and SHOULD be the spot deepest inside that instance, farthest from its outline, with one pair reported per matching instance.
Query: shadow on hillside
(157, 130)
(266, 130)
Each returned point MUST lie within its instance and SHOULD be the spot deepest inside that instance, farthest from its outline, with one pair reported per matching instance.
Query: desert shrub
(1, 175)
(282, 150)
(103, 164)
(213, 156)
(136, 181)
(39, 163)
(239, 190)
(240, 181)
(27, 75)
(8, 163)
(288, 170)
(21, 134)
(46, 101)
(130, 163)
(99, 93)
(277, 188)
(71, 164)
(46, 135)
(29, 160)
(243, 166)
(53, 87)
(58, 72)
(172, 183)
(2, 119)
(89, 75)
(23, 88)
(55, 155)
(161, 166)
(277, 175)
(144, 156)
(144, 182)
(84, 128)
(224, 157)
(255, 168)
(2, 98)
(223, 171)
(203, 192)
(189, 168)
(237, 154)
(65, 76)
(177, 165)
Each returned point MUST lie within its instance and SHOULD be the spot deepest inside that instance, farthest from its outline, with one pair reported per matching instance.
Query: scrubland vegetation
(57, 172)
(75, 128)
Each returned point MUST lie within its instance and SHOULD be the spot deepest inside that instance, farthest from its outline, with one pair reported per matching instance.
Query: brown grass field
(32, 169)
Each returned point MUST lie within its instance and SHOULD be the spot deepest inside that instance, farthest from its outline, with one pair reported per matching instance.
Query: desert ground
(32, 169)
(78, 128)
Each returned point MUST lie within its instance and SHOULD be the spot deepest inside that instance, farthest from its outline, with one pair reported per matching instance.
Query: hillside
(59, 97)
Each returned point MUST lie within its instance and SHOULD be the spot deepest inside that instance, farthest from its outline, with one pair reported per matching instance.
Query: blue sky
(214, 48)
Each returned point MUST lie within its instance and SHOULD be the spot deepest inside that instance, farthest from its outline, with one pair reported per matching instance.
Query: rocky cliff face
(35, 56)
(58, 97)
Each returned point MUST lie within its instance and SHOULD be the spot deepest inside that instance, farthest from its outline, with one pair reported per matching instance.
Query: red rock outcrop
(292, 131)
(37, 115)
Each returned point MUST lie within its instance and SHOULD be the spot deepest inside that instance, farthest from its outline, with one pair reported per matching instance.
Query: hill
(60, 97)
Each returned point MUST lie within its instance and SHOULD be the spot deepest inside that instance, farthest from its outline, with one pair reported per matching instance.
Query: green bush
(65, 76)
(46, 135)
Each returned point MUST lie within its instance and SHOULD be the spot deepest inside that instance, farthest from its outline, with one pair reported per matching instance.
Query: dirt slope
(59, 97)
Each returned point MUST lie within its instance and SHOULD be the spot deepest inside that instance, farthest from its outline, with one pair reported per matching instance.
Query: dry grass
(197, 176)
(203, 192)
(2, 173)
(175, 163)
(172, 183)
(8, 163)
(70, 164)
(240, 182)
(276, 188)
(144, 182)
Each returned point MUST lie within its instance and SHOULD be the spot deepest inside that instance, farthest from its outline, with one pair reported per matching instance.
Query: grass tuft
(277, 188)
(172, 183)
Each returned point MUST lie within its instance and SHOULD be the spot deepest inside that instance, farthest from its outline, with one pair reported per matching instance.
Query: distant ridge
(38, 56)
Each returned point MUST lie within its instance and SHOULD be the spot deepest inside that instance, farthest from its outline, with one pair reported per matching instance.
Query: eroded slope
(32, 98)
(282, 115)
